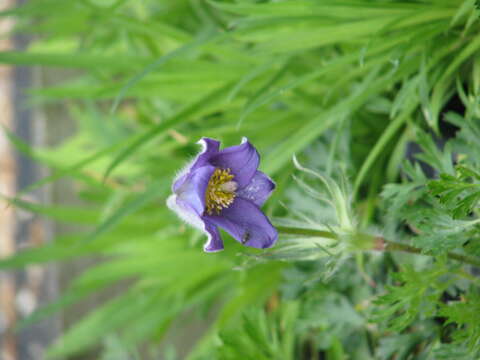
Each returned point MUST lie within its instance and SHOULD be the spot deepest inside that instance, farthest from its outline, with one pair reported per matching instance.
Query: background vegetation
(353, 88)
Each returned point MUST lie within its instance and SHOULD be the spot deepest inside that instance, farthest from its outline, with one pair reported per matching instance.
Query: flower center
(220, 191)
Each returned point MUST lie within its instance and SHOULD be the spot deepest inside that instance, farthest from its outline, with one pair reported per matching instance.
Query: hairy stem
(379, 243)
(307, 232)
(396, 246)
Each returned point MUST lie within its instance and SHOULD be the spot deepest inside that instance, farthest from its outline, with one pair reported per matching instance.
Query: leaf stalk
(378, 243)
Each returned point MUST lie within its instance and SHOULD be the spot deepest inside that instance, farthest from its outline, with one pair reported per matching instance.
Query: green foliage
(465, 315)
(266, 335)
(416, 294)
(459, 192)
(345, 86)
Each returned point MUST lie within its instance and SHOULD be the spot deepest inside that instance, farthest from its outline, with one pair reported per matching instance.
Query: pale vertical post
(7, 187)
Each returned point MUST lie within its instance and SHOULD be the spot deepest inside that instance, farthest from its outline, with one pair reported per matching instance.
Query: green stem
(396, 246)
(380, 243)
(308, 232)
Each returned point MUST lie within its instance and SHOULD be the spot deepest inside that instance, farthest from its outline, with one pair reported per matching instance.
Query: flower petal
(241, 159)
(193, 188)
(210, 147)
(185, 212)
(246, 223)
(258, 190)
(190, 216)
(214, 242)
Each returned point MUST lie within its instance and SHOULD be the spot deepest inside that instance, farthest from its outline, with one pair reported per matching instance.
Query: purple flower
(223, 188)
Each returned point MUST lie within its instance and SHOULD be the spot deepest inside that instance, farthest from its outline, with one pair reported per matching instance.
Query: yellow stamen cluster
(220, 191)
